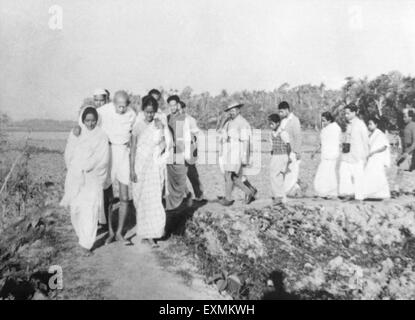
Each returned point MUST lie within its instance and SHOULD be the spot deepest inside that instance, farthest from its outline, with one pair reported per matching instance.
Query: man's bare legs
(228, 185)
(108, 201)
(122, 214)
(237, 180)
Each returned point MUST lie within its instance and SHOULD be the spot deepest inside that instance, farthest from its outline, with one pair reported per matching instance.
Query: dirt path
(138, 271)
(129, 272)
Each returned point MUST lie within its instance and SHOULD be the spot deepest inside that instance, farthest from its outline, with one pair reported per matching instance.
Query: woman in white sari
(376, 184)
(147, 158)
(325, 181)
(86, 158)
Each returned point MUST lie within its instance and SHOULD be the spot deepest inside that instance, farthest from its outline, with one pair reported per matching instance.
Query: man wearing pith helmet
(235, 153)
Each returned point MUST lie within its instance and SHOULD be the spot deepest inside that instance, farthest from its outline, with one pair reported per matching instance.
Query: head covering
(233, 105)
(100, 92)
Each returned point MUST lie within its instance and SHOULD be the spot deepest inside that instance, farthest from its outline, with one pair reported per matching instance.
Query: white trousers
(291, 178)
(351, 177)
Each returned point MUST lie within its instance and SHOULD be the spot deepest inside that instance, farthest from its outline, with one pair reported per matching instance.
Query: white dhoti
(120, 164)
(291, 178)
(351, 176)
(325, 181)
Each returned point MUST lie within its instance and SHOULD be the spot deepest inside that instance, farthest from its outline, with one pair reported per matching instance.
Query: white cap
(100, 92)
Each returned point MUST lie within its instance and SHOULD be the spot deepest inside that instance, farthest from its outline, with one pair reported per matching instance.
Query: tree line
(384, 96)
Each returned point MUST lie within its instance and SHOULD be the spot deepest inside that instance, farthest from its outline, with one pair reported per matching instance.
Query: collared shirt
(235, 133)
(409, 137)
(190, 132)
(358, 137)
(238, 129)
(292, 125)
(117, 126)
(176, 126)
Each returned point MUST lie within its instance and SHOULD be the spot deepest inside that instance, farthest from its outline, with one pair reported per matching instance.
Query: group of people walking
(152, 154)
(362, 153)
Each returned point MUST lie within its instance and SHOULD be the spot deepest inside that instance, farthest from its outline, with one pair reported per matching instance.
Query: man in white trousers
(355, 150)
(291, 124)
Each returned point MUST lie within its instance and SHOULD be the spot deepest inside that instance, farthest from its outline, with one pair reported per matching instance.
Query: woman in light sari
(325, 181)
(86, 158)
(376, 184)
(147, 158)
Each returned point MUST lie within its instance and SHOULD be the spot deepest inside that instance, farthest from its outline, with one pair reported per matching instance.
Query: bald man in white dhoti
(117, 119)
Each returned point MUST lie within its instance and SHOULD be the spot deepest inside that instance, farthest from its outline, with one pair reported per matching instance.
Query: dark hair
(380, 122)
(143, 99)
(352, 107)
(274, 118)
(375, 120)
(182, 104)
(108, 93)
(328, 116)
(150, 101)
(154, 91)
(411, 114)
(173, 97)
(284, 105)
(89, 110)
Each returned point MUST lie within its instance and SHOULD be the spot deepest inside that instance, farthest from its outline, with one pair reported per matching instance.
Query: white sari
(376, 184)
(325, 181)
(86, 158)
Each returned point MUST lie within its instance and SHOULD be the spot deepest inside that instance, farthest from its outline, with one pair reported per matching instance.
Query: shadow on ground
(175, 222)
(276, 290)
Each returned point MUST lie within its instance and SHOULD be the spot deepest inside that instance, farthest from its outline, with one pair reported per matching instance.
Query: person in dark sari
(176, 185)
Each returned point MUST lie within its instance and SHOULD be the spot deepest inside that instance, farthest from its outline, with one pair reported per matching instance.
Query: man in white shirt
(291, 124)
(117, 120)
(190, 155)
(236, 151)
(355, 151)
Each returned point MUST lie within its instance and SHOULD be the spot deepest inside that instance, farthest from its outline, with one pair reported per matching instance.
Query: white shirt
(330, 141)
(117, 126)
(190, 129)
(358, 137)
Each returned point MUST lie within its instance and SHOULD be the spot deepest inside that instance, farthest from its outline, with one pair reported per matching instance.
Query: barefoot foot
(110, 239)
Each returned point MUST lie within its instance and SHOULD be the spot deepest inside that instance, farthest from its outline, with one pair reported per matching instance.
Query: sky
(48, 68)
